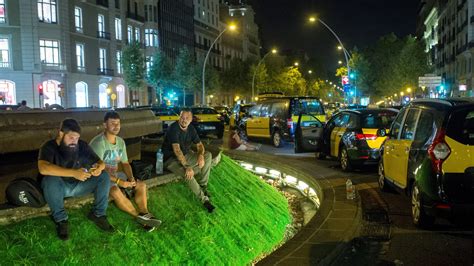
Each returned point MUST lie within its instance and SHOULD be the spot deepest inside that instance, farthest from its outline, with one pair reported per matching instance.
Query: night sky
(283, 23)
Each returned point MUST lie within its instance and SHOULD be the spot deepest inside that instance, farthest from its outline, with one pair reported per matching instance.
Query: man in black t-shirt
(71, 168)
(182, 161)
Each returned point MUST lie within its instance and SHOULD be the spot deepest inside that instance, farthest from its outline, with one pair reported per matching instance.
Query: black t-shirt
(175, 135)
(86, 157)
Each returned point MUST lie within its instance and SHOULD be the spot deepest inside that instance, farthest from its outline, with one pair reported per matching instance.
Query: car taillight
(366, 136)
(438, 151)
(289, 123)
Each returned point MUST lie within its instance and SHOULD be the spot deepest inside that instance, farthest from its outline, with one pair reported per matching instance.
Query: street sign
(429, 81)
(345, 80)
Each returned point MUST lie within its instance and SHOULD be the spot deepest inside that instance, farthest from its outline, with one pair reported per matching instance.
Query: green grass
(250, 220)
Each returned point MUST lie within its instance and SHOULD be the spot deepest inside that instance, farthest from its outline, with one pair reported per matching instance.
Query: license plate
(209, 127)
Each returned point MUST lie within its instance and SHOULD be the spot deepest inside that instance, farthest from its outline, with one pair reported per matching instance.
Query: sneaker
(62, 228)
(208, 205)
(148, 219)
(101, 222)
(149, 228)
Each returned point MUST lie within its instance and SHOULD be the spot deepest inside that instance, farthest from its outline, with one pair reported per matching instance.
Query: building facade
(67, 52)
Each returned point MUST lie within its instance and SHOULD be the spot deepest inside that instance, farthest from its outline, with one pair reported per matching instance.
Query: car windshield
(461, 126)
(204, 111)
(308, 106)
(378, 120)
(220, 109)
(245, 108)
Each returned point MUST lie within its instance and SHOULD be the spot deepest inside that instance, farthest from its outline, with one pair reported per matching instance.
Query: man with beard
(112, 150)
(70, 169)
(179, 159)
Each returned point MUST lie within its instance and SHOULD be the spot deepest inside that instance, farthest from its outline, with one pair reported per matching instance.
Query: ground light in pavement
(282, 180)
(250, 220)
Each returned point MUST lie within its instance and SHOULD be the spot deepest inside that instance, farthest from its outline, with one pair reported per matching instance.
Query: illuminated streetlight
(339, 47)
(339, 62)
(409, 90)
(310, 71)
(296, 64)
(395, 95)
(402, 93)
(231, 27)
(273, 51)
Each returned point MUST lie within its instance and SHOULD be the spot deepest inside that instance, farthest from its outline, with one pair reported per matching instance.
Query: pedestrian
(182, 161)
(112, 150)
(23, 106)
(236, 142)
(70, 168)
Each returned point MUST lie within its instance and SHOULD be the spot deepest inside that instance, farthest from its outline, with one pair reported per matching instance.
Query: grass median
(250, 219)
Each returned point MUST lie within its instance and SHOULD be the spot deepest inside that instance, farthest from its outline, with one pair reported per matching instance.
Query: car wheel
(419, 217)
(345, 160)
(276, 138)
(383, 185)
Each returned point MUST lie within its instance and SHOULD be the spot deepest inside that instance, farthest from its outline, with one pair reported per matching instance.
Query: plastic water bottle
(350, 190)
(159, 162)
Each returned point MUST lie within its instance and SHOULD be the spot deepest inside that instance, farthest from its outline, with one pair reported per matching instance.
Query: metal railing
(103, 35)
(105, 71)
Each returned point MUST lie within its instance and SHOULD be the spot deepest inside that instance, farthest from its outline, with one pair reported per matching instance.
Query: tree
(291, 82)
(361, 68)
(237, 77)
(261, 77)
(184, 75)
(133, 67)
(160, 73)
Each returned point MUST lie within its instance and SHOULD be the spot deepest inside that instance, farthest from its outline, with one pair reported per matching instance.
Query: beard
(68, 152)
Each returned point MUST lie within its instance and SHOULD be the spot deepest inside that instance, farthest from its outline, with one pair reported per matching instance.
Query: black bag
(25, 191)
(142, 170)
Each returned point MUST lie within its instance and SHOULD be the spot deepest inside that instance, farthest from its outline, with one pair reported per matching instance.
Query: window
(119, 62)
(146, 12)
(102, 59)
(395, 129)
(4, 53)
(3, 12)
(78, 18)
(378, 120)
(101, 25)
(81, 94)
(130, 33)
(137, 34)
(118, 29)
(47, 11)
(255, 111)
(80, 57)
(7, 92)
(49, 52)
(409, 126)
(425, 126)
(148, 63)
(151, 37)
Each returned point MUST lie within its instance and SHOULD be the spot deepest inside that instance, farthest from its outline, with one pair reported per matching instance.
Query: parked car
(225, 112)
(207, 120)
(167, 115)
(428, 156)
(238, 112)
(349, 136)
(273, 118)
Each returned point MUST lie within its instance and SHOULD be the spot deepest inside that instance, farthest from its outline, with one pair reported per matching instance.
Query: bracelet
(117, 181)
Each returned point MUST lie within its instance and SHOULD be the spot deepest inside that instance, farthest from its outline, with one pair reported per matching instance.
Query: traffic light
(352, 75)
(40, 89)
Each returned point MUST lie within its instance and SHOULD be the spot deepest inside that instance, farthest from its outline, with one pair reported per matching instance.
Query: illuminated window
(151, 37)
(4, 53)
(7, 92)
(102, 59)
(119, 62)
(118, 29)
(130, 34)
(80, 57)
(49, 52)
(101, 25)
(78, 18)
(3, 12)
(47, 11)
(137, 34)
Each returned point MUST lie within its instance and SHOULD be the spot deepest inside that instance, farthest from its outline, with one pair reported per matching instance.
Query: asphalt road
(387, 235)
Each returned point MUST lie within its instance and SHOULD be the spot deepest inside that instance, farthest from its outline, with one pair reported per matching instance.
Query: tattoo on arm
(200, 148)
(179, 154)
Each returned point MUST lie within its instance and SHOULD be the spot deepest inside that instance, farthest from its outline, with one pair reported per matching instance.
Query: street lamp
(339, 62)
(347, 55)
(232, 28)
(296, 64)
(310, 71)
(273, 51)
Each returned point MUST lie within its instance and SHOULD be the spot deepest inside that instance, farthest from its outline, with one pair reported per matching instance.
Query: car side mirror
(381, 132)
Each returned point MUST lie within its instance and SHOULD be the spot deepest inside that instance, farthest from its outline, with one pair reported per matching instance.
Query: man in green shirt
(112, 150)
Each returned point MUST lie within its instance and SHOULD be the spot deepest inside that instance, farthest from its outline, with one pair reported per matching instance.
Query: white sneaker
(148, 219)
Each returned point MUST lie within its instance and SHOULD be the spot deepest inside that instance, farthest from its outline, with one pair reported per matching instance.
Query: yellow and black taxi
(274, 117)
(167, 115)
(238, 112)
(429, 156)
(207, 120)
(350, 136)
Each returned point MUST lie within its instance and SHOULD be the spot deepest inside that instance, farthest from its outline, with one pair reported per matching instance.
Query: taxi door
(337, 133)
(397, 150)
(308, 134)
(264, 126)
(252, 121)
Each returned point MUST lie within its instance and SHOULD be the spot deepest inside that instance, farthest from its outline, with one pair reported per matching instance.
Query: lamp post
(273, 51)
(346, 53)
(231, 27)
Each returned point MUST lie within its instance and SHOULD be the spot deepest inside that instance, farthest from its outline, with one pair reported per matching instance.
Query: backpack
(142, 170)
(25, 191)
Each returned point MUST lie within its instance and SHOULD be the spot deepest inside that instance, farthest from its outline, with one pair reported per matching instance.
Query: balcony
(105, 72)
(5, 65)
(104, 3)
(53, 66)
(135, 17)
(103, 35)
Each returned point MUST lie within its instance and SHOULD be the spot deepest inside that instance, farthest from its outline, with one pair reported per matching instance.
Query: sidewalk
(333, 226)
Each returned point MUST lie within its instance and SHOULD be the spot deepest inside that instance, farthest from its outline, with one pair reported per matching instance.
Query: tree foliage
(160, 73)
(133, 66)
